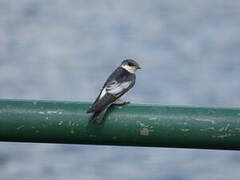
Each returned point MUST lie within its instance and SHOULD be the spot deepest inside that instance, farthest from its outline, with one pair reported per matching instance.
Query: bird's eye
(130, 64)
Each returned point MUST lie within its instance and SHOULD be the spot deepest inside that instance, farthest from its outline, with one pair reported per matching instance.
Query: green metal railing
(130, 125)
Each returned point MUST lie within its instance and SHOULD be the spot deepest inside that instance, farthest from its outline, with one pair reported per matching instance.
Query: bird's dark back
(121, 75)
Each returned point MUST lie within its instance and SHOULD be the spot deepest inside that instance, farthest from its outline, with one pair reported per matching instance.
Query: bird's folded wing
(112, 91)
(116, 88)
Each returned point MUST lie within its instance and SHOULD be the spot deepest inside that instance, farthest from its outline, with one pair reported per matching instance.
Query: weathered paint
(131, 125)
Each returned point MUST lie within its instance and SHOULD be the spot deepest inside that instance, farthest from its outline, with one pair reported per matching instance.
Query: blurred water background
(64, 50)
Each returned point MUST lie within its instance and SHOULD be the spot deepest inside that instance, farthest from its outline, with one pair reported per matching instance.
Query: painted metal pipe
(129, 125)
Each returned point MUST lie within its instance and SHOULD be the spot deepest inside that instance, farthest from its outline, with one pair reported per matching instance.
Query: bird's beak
(138, 67)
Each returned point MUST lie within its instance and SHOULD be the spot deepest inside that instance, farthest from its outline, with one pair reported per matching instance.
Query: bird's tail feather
(98, 116)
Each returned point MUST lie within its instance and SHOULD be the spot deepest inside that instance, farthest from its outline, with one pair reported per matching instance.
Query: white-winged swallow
(117, 84)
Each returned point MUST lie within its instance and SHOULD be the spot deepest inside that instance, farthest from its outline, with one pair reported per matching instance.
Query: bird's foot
(126, 102)
(121, 103)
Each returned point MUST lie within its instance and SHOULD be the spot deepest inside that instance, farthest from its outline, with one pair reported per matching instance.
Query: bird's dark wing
(117, 84)
(118, 88)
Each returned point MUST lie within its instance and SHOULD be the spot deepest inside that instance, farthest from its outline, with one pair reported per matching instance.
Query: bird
(117, 84)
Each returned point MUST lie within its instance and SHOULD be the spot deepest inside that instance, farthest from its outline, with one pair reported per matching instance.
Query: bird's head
(130, 65)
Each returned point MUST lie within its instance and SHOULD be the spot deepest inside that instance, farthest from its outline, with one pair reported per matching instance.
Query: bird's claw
(126, 102)
(122, 103)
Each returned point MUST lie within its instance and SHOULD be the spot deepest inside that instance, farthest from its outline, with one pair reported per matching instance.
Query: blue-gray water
(64, 50)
